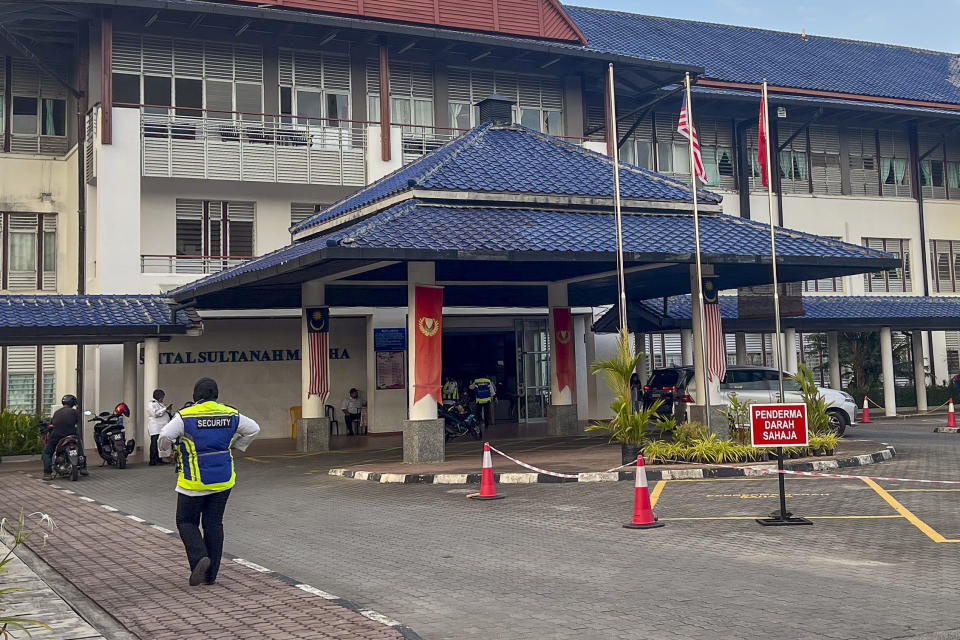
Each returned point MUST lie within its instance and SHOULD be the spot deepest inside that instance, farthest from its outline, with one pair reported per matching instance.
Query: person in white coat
(158, 415)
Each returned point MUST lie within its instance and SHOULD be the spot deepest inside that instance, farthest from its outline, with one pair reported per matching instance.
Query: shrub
(737, 413)
(627, 425)
(19, 434)
(688, 432)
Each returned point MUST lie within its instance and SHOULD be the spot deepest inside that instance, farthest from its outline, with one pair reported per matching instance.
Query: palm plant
(818, 420)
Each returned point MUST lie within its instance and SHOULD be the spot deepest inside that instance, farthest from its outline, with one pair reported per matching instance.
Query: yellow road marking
(657, 490)
(252, 459)
(922, 490)
(746, 496)
(906, 513)
(883, 517)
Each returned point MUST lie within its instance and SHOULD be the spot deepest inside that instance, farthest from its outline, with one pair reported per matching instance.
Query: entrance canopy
(90, 319)
(504, 211)
(822, 313)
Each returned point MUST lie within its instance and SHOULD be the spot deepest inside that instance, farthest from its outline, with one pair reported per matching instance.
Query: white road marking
(379, 617)
(252, 565)
(317, 592)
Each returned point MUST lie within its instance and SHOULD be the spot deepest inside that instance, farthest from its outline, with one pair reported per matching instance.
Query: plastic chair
(331, 414)
(295, 414)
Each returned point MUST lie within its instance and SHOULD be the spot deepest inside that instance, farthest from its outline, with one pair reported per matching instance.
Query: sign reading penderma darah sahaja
(778, 425)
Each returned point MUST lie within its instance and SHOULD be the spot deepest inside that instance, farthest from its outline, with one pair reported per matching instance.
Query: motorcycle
(458, 421)
(109, 435)
(68, 459)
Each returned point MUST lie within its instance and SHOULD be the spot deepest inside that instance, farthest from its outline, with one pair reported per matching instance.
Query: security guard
(205, 431)
(450, 392)
(484, 391)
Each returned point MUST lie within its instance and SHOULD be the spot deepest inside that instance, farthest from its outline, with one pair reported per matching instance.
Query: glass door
(533, 369)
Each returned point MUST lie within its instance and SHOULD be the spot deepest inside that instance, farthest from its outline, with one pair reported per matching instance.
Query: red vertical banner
(563, 339)
(428, 310)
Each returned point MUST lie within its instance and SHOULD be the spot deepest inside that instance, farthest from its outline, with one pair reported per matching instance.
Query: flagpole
(696, 238)
(778, 351)
(612, 135)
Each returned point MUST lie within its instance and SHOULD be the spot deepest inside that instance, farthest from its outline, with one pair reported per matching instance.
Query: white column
(699, 366)
(919, 372)
(371, 390)
(741, 339)
(833, 354)
(686, 346)
(151, 380)
(644, 345)
(417, 273)
(556, 298)
(886, 359)
(790, 350)
(311, 295)
(137, 423)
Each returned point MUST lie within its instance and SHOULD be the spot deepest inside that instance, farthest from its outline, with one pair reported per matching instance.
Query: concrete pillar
(707, 392)
(136, 424)
(919, 372)
(686, 346)
(562, 412)
(886, 360)
(590, 355)
(313, 429)
(741, 340)
(833, 355)
(423, 437)
(790, 350)
(151, 380)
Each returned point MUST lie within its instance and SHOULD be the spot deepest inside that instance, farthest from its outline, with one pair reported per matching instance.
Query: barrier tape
(911, 415)
(757, 469)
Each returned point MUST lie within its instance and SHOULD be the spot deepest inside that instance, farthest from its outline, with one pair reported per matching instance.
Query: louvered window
(825, 159)
(38, 108)
(411, 92)
(864, 166)
(830, 285)
(315, 85)
(190, 75)
(794, 164)
(951, 154)
(539, 99)
(21, 378)
(953, 352)
(48, 394)
(897, 280)
(213, 228)
(31, 250)
(300, 211)
(716, 147)
(894, 163)
(945, 265)
(933, 177)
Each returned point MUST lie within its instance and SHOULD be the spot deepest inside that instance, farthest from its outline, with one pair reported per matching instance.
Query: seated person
(351, 410)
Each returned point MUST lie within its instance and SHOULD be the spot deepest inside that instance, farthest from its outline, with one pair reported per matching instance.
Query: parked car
(757, 385)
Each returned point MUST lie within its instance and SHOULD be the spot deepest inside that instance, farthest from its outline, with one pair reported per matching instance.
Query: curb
(405, 631)
(887, 453)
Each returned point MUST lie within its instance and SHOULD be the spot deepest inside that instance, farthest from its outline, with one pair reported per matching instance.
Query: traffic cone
(866, 411)
(488, 486)
(951, 416)
(643, 517)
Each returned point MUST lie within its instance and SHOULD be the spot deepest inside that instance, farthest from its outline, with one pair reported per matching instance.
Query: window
(29, 268)
(896, 280)
(54, 117)
(315, 85)
(718, 163)
(126, 88)
(213, 228)
(825, 159)
(539, 99)
(189, 92)
(157, 94)
(945, 265)
(300, 211)
(793, 165)
(21, 378)
(829, 285)
(894, 162)
(862, 157)
(24, 115)
(638, 152)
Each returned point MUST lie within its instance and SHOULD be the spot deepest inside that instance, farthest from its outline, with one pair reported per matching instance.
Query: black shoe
(153, 464)
(162, 463)
(210, 581)
(199, 572)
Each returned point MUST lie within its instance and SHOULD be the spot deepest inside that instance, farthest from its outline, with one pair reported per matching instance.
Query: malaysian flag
(684, 127)
(318, 343)
(715, 343)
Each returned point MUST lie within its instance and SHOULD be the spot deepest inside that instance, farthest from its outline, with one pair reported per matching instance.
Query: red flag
(563, 334)
(762, 144)
(428, 314)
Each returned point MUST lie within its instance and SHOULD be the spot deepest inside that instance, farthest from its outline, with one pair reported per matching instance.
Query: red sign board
(778, 425)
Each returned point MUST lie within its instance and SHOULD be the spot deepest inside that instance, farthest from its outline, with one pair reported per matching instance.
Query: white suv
(756, 385)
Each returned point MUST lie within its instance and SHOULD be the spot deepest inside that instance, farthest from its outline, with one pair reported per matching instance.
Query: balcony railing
(90, 142)
(222, 145)
(189, 265)
(418, 140)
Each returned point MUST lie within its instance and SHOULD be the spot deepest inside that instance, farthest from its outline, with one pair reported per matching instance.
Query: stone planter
(629, 453)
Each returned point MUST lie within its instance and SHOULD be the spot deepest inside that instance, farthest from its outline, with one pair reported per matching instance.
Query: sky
(927, 24)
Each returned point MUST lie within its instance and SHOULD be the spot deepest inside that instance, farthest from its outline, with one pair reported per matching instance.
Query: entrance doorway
(473, 353)
(533, 368)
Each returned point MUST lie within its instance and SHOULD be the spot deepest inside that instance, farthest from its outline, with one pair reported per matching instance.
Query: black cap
(205, 389)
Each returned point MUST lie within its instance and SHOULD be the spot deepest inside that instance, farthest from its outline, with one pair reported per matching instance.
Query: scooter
(68, 459)
(458, 421)
(109, 435)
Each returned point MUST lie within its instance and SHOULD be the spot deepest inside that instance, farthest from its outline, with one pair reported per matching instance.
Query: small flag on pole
(684, 128)
(762, 143)
(318, 342)
(716, 345)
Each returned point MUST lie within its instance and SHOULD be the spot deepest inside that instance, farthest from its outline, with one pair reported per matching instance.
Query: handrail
(194, 257)
(242, 113)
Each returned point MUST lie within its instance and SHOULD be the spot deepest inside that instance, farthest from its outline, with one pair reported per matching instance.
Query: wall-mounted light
(781, 112)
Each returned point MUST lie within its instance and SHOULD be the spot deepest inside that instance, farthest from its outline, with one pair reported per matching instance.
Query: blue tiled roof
(747, 55)
(418, 225)
(514, 159)
(91, 311)
(848, 312)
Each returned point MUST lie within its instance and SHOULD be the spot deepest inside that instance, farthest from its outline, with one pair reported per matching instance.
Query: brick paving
(139, 575)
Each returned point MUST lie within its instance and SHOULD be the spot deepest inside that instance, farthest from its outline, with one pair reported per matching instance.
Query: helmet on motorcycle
(69, 400)
(122, 409)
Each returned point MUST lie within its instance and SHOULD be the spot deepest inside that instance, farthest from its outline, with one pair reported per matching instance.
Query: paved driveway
(552, 561)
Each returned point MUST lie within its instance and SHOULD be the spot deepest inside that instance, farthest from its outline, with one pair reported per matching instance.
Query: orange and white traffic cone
(951, 416)
(866, 411)
(488, 486)
(643, 517)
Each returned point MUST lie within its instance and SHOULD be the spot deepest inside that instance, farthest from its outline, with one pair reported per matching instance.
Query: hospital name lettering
(250, 355)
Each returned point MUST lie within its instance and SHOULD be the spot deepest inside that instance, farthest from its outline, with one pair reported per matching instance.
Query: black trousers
(48, 448)
(154, 450)
(352, 420)
(194, 511)
(486, 412)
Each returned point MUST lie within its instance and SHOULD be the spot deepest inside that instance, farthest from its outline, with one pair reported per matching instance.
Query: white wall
(389, 405)
(263, 390)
